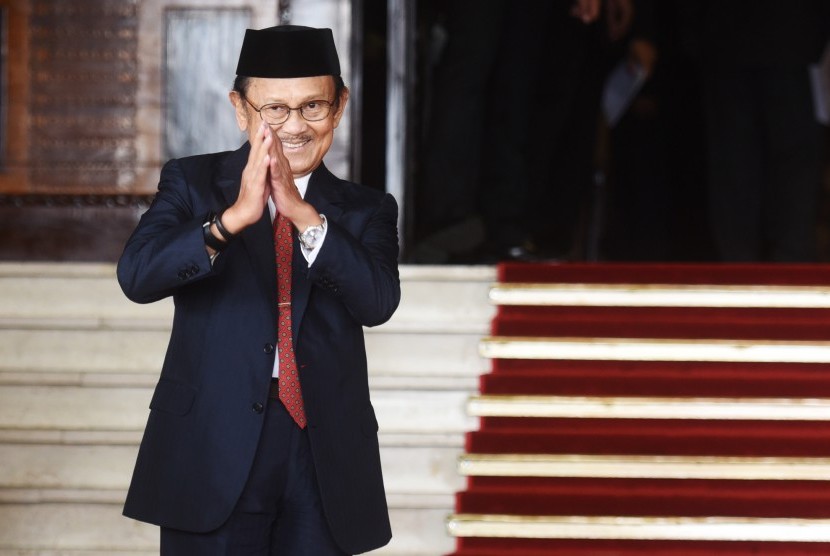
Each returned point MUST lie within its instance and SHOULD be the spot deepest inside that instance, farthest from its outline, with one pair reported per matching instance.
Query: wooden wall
(68, 185)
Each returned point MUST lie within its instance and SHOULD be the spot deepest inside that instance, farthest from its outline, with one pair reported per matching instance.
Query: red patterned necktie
(289, 387)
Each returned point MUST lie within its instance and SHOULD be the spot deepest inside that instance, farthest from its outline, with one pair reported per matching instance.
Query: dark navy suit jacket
(207, 409)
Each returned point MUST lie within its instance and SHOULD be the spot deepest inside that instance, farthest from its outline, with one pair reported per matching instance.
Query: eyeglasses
(275, 114)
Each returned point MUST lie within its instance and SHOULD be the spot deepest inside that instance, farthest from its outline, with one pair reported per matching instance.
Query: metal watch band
(311, 236)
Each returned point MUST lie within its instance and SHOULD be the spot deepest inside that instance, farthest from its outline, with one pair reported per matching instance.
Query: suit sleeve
(363, 271)
(167, 249)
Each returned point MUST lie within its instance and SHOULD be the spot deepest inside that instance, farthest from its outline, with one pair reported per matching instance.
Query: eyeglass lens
(312, 111)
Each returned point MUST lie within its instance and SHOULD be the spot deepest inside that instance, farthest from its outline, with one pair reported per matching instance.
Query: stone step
(70, 324)
(79, 488)
(79, 362)
(451, 298)
(37, 466)
(652, 407)
(73, 408)
(133, 437)
(386, 551)
(656, 349)
(35, 552)
(628, 467)
(85, 353)
(30, 471)
(661, 295)
(377, 381)
(88, 297)
(54, 529)
(650, 528)
(72, 527)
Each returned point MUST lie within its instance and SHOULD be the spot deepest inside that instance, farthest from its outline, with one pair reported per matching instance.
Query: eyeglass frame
(290, 110)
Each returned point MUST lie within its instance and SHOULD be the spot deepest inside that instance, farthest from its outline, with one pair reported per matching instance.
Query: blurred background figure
(508, 148)
(464, 38)
(540, 133)
(654, 155)
(764, 144)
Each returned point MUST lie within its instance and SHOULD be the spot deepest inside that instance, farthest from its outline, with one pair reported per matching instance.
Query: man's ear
(341, 107)
(240, 109)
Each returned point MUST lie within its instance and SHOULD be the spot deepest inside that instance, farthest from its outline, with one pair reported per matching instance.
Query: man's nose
(295, 122)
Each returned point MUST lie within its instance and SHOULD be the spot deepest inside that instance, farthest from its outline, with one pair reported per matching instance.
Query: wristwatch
(313, 234)
(211, 240)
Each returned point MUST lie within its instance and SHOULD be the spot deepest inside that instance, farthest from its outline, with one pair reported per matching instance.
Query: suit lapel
(258, 239)
(324, 194)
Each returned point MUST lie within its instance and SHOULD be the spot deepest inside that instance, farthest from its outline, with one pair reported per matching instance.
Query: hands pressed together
(268, 174)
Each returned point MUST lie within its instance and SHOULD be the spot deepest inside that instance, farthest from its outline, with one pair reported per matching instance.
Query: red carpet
(567, 547)
(622, 273)
(696, 439)
(654, 437)
(664, 322)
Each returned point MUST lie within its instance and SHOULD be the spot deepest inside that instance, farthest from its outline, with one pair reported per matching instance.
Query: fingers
(260, 142)
(280, 167)
(284, 191)
(255, 173)
(253, 188)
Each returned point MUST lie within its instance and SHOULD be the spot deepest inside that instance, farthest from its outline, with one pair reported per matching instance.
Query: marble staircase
(78, 362)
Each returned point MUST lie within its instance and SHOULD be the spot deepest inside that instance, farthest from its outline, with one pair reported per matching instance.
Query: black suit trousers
(279, 512)
(764, 163)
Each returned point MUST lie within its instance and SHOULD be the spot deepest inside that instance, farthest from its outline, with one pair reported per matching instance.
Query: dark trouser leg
(794, 141)
(279, 512)
(735, 163)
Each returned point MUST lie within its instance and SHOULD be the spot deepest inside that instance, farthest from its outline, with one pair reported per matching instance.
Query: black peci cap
(288, 51)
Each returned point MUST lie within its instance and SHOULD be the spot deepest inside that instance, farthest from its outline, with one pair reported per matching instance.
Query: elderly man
(261, 437)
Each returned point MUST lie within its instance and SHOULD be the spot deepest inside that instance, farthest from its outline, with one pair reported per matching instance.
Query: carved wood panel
(82, 95)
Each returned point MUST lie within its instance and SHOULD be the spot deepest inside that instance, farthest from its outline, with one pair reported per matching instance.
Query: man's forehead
(318, 87)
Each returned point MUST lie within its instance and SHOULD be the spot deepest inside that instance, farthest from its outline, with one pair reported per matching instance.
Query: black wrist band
(226, 235)
(211, 240)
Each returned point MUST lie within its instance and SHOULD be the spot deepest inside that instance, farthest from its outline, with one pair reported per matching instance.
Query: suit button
(269, 348)
(183, 275)
(257, 407)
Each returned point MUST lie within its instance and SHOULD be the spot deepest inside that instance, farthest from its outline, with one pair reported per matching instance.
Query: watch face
(311, 236)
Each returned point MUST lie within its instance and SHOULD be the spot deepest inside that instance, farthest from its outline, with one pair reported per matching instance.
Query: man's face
(304, 143)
